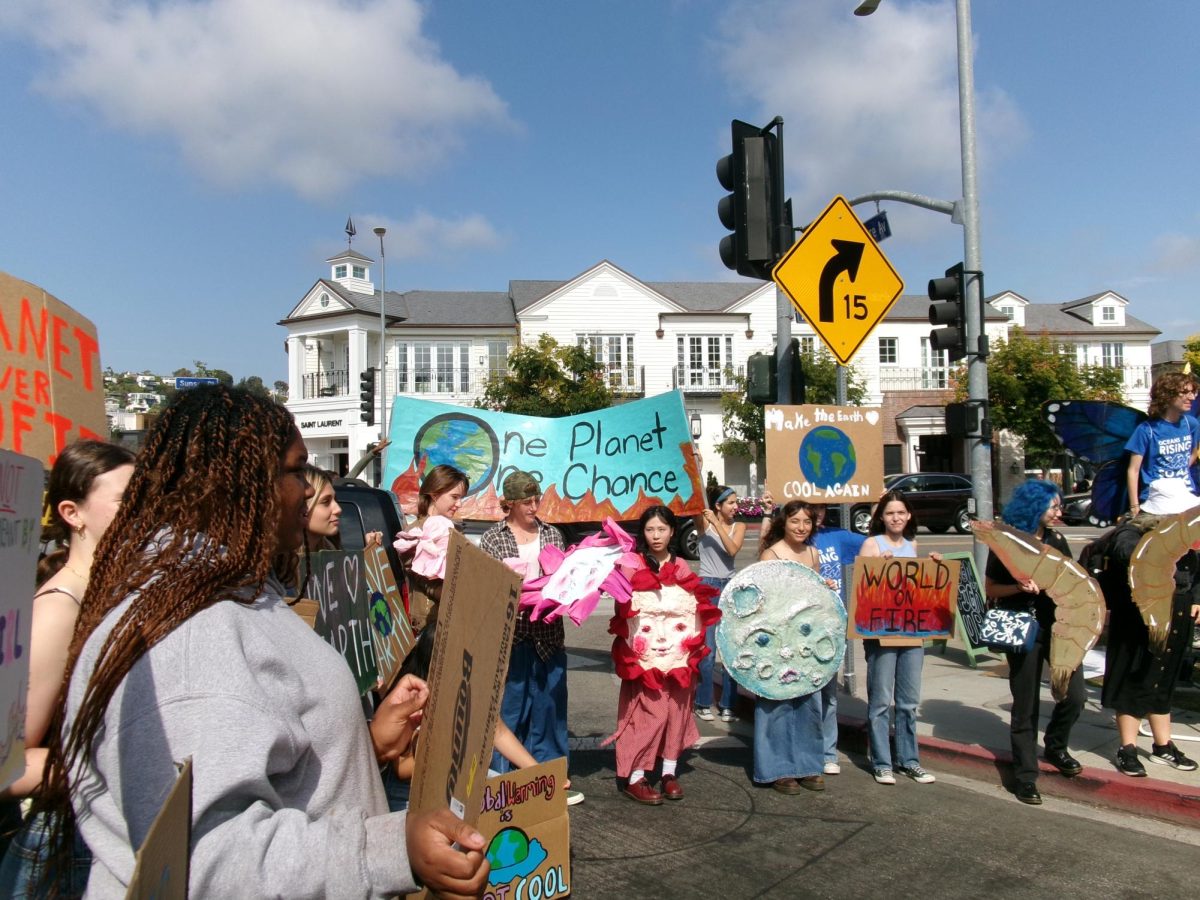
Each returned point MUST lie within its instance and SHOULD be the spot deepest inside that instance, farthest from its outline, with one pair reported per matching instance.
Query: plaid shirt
(500, 542)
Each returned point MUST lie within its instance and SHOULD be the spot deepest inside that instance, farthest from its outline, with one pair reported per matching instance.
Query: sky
(179, 170)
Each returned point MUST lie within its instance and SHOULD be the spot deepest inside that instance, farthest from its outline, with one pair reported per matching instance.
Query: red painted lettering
(41, 388)
(27, 329)
(88, 348)
(60, 349)
(21, 414)
(61, 425)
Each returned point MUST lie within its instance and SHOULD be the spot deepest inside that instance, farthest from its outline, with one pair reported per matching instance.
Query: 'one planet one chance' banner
(612, 462)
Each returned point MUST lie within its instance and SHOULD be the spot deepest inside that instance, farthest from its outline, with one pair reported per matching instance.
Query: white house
(652, 337)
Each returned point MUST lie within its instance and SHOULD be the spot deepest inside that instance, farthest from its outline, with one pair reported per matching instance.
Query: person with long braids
(83, 494)
(186, 648)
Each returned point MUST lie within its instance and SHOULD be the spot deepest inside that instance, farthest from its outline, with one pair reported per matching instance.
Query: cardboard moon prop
(782, 632)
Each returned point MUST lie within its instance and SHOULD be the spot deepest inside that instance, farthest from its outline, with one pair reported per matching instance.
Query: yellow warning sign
(839, 280)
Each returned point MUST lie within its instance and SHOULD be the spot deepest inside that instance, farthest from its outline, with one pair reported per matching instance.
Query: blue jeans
(704, 690)
(20, 872)
(893, 676)
(829, 723)
(535, 704)
(787, 738)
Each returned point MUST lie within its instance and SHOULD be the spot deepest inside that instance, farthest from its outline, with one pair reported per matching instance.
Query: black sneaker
(1170, 755)
(1128, 762)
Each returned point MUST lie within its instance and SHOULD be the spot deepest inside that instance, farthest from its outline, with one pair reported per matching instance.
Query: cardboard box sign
(51, 392)
(339, 586)
(824, 454)
(21, 479)
(525, 821)
(466, 680)
(902, 598)
(390, 628)
(163, 861)
(972, 605)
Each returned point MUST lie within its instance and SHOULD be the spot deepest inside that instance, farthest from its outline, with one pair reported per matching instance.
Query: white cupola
(353, 271)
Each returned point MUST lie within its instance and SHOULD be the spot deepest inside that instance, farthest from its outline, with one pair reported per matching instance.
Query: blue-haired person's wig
(1028, 504)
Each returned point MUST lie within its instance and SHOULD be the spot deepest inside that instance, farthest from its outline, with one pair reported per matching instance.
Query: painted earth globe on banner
(827, 456)
(462, 441)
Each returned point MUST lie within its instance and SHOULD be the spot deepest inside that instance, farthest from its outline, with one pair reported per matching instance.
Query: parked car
(366, 509)
(939, 500)
(1076, 508)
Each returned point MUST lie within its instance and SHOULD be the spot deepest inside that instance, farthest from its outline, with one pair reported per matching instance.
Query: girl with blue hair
(1035, 507)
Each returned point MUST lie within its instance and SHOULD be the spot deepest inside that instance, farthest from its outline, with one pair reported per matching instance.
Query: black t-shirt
(1042, 605)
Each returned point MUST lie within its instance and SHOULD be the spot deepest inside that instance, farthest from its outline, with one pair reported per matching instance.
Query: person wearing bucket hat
(534, 706)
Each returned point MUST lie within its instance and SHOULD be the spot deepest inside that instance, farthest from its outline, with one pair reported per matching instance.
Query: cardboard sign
(972, 605)
(466, 680)
(903, 598)
(824, 454)
(525, 821)
(51, 392)
(161, 870)
(614, 462)
(339, 586)
(390, 628)
(21, 479)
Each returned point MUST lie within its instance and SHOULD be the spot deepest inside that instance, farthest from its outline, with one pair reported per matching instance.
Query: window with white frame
(615, 353)
(808, 345)
(359, 271)
(1081, 354)
(1108, 314)
(935, 366)
(1010, 311)
(339, 271)
(497, 358)
(887, 351)
(1112, 355)
(703, 359)
(425, 367)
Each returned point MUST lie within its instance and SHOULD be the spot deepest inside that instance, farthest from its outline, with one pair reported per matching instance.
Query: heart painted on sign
(872, 416)
(350, 574)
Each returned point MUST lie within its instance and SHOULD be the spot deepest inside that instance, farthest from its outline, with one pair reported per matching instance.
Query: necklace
(70, 568)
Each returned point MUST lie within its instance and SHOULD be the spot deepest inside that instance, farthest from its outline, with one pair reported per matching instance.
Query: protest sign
(525, 821)
(338, 583)
(21, 480)
(971, 605)
(390, 628)
(902, 598)
(614, 462)
(824, 454)
(466, 680)
(51, 392)
(162, 862)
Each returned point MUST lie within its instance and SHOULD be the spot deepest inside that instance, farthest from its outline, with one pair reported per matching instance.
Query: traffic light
(366, 396)
(949, 308)
(762, 377)
(969, 419)
(754, 210)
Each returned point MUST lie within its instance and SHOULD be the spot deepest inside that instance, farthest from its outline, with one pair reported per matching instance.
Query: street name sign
(184, 383)
(838, 278)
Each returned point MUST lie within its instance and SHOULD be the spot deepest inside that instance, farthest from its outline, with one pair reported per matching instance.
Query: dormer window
(1010, 312)
(1108, 314)
(360, 271)
(339, 271)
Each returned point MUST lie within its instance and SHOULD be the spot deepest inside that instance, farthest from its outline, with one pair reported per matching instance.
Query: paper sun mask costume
(660, 632)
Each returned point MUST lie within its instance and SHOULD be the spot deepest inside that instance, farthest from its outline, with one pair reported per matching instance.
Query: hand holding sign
(397, 718)
(433, 839)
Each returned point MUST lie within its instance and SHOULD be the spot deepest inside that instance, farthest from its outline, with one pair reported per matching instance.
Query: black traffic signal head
(949, 309)
(761, 380)
(754, 209)
(366, 396)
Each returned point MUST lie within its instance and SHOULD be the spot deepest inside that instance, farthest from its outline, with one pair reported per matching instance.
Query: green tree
(743, 420)
(255, 386)
(1025, 372)
(548, 379)
(1191, 352)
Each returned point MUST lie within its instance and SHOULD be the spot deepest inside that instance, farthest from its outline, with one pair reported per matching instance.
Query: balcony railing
(334, 383)
(892, 378)
(706, 381)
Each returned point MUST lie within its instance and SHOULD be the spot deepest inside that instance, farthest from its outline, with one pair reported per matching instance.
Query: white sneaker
(917, 774)
(727, 715)
(704, 714)
(884, 776)
(574, 798)
(832, 768)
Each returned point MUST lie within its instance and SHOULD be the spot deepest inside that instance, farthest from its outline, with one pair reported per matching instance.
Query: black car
(938, 499)
(366, 509)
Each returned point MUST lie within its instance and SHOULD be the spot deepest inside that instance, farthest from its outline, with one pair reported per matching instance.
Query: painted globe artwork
(827, 456)
(509, 847)
(782, 632)
(462, 441)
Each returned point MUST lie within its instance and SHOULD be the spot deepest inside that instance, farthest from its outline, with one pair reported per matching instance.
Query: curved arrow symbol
(847, 255)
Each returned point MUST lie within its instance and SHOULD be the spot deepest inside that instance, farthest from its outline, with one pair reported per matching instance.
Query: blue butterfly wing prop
(1094, 430)
(1110, 494)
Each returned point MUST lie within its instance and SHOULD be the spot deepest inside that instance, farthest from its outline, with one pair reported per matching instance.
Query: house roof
(1061, 319)
(349, 254)
(475, 308)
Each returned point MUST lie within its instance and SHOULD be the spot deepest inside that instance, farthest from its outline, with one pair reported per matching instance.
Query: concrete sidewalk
(962, 727)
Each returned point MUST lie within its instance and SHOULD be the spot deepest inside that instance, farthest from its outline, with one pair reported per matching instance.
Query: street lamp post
(383, 394)
(979, 447)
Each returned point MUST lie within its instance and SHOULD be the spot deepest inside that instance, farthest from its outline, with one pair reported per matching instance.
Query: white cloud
(424, 236)
(311, 94)
(868, 103)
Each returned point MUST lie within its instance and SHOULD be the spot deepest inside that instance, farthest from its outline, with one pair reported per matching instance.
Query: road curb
(1112, 790)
